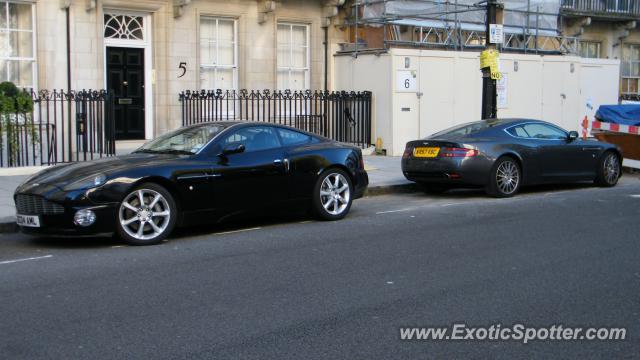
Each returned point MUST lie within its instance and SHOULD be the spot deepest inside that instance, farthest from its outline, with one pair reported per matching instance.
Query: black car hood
(61, 175)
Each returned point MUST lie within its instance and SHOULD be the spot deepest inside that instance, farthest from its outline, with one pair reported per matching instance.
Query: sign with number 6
(406, 81)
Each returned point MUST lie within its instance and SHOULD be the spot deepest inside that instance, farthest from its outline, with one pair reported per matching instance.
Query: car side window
(253, 138)
(546, 132)
(290, 137)
(518, 131)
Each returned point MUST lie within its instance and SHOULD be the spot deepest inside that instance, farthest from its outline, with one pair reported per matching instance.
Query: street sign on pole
(496, 33)
(489, 62)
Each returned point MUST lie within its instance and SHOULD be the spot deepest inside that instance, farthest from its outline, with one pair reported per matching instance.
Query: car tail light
(361, 162)
(458, 152)
(407, 152)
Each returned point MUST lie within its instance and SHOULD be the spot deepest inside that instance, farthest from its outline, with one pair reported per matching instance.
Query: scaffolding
(530, 26)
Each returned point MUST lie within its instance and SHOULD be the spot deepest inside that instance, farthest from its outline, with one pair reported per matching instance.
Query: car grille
(37, 205)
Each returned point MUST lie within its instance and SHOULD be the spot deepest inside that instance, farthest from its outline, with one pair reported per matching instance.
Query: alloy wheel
(507, 177)
(611, 169)
(335, 193)
(144, 214)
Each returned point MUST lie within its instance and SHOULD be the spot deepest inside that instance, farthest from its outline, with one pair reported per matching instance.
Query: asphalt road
(295, 289)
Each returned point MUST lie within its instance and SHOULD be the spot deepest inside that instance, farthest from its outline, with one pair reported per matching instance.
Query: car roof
(241, 123)
(507, 122)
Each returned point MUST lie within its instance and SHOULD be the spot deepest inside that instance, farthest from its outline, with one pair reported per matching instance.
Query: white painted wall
(369, 72)
(598, 85)
(552, 88)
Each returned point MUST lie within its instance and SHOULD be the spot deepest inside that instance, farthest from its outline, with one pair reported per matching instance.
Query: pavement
(384, 176)
(292, 288)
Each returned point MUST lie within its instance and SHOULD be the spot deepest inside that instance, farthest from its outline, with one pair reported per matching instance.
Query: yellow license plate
(426, 152)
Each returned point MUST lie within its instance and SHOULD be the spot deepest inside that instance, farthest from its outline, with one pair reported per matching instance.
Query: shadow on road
(106, 241)
(239, 224)
(88, 242)
(464, 193)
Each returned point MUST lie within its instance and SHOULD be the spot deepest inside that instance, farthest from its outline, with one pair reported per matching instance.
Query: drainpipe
(326, 58)
(66, 5)
(330, 11)
(68, 49)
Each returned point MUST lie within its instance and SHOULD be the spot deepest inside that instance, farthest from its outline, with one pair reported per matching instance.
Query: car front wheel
(608, 170)
(147, 215)
(332, 195)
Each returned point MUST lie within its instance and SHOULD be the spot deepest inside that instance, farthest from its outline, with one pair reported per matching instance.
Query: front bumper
(63, 223)
(472, 171)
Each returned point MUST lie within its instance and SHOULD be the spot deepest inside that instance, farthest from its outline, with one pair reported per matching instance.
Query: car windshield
(464, 130)
(183, 141)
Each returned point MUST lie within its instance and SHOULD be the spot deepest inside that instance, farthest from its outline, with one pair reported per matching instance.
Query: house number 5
(183, 67)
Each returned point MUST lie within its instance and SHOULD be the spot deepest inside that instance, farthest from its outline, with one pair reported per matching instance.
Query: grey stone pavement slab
(384, 171)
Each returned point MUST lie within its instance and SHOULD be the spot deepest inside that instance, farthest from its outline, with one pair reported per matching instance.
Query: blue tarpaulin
(619, 114)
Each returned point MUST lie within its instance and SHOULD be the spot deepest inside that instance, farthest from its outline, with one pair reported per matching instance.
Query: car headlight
(87, 183)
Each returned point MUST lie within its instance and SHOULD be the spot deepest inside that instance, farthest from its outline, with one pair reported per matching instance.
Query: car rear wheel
(505, 179)
(609, 169)
(332, 195)
(147, 215)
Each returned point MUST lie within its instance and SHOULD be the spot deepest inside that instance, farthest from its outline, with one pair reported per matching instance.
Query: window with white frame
(218, 53)
(123, 27)
(630, 68)
(589, 49)
(293, 56)
(17, 43)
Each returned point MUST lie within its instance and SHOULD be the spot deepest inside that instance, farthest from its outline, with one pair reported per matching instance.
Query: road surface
(290, 288)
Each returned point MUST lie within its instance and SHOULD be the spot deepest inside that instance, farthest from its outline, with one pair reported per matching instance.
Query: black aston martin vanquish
(197, 174)
(502, 155)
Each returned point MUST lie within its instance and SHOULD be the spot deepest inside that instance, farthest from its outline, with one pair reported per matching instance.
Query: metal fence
(611, 8)
(63, 127)
(342, 116)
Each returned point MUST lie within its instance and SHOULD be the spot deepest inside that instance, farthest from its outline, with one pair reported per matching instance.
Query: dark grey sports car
(502, 155)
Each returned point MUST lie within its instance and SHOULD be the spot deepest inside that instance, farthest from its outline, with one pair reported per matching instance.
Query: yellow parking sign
(489, 59)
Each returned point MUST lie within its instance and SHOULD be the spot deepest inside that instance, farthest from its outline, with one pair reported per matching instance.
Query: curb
(392, 189)
(8, 224)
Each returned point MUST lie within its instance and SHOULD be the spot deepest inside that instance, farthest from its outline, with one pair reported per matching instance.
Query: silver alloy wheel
(144, 214)
(335, 193)
(507, 177)
(611, 168)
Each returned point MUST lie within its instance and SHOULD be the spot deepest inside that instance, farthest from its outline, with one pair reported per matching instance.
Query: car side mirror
(232, 149)
(573, 135)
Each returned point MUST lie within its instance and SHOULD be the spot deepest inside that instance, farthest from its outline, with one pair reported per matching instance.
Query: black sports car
(502, 155)
(197, 174)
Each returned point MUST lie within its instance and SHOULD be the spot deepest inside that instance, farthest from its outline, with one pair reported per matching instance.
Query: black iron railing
(607, 8)
(342, 116)
(63, 127)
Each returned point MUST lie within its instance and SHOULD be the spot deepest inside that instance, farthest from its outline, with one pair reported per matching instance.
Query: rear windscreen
(463, 130)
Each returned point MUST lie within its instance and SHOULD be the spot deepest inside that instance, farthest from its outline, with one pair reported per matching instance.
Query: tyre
(609, 169)
(505, 178)
(332, 195)
(147, 215)
(433, 188)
